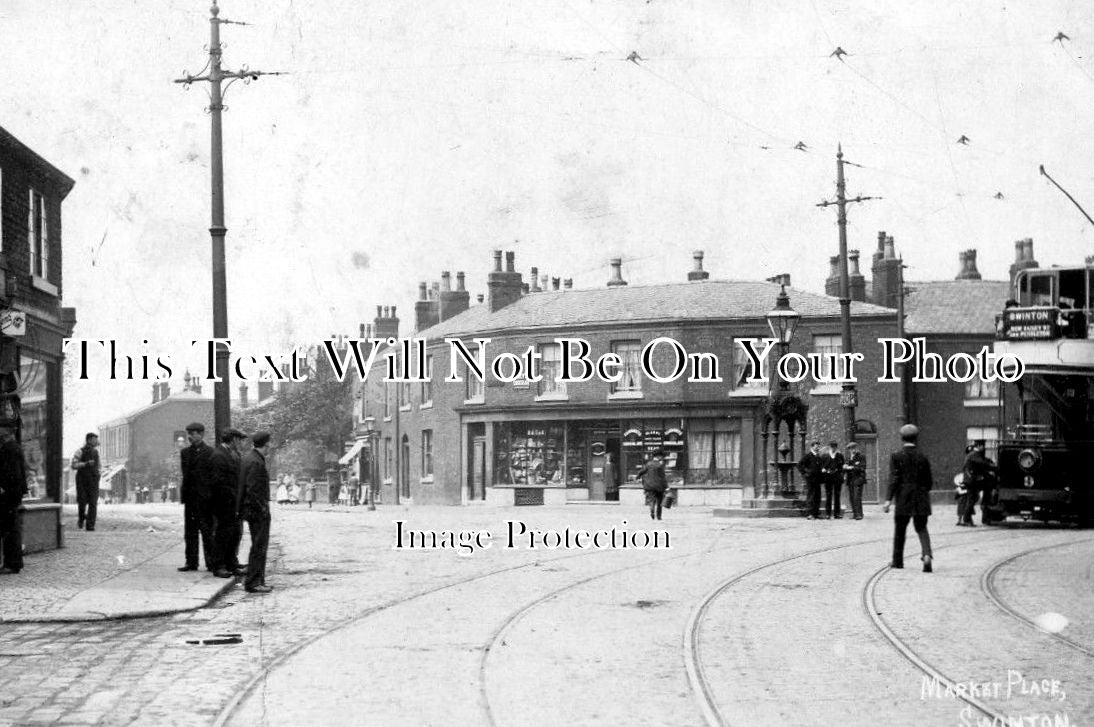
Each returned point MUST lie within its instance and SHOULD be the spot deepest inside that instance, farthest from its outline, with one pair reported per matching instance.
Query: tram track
(987, 587)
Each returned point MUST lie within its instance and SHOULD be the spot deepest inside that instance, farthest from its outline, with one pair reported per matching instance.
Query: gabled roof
(31, 158)
(954, 306)
(183, 396)
(700, 300)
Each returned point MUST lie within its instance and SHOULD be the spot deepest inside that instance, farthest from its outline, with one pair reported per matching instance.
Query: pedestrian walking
(255, 509)
(309, 494)
(225, 466)
(196, 494)
(855, 468)
(961, 490)
(13, 486)
(980, 482)
(654, 483)
(88, 470)
(910, 485)
(354, 485)
(832, 470)
(810, 468)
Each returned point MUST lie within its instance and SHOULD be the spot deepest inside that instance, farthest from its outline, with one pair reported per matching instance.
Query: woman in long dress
(282, 492)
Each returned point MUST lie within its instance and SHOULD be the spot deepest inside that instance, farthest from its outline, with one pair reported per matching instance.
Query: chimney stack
(533, 280)
(479, 298)
(697, 272)
(886, 272)
(543, 282)
(855, 277)
(503, 286)
(617, 273)
(831, 283)
(243, 403)
(427, 311)
(385, 325)
(155, 392)
(1023, 257)
(453, 302)
(555, 282)
(568, 283)
(968, 266)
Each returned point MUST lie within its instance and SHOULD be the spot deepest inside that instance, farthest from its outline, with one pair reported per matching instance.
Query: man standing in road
(88, 471)
(979, 476)
(225, 474)
(910, 484)
(196, 494)
(855, 468)
(810, 468)
(832, 469)
(13, 485)
(254, 507)
(654, 483)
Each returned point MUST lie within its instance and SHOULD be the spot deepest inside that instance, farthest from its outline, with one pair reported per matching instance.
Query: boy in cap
(196, 494)
(254, 506)
(910, 483)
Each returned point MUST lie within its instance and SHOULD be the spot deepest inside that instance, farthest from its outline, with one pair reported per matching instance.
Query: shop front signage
(13, 322)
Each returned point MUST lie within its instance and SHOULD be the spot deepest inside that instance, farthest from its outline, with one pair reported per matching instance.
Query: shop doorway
(476, 475)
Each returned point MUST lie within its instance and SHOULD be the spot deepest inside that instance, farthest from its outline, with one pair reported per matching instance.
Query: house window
(387, 458)
(38, 235)
(427, 453)
(551, 367)
(990, 435)
(977, 388)
(427, 386)
(714, 450)
(825, 345)
(630, 353)
(404, 395)
(476, 388)
(742, 368)
(387, 401)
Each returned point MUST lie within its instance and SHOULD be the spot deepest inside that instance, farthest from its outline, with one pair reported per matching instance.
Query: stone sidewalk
(126, 568)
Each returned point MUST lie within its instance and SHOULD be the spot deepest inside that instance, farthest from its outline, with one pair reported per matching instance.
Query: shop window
(529, 453)
(33, 377)
(630, 353)
(714, 451)
(427, 453)
(990, 435)
(551, 368)
(641, 437)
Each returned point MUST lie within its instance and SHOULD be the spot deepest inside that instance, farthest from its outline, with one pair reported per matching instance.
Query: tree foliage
(317, 410)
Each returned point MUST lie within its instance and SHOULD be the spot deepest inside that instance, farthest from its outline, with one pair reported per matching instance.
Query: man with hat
(13, 485)
(979, 473)
(855, 468)
(832, 470)
(910, 485)
(654, 483)
(254, 507)
(810, 468)
(196, 494)
(225, 486)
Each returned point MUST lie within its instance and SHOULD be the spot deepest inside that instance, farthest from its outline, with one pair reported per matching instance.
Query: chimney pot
(543, 282)
(446, 281)
(379, 311)
(524, 288)
(533, 280)
(617, 273)
(853, 256)
(555, 282)
(422, 291)
(697, 272)
(510, 262)
(497, 261)
(479, 297)
(392, 311)
(568, 283)
(459, 281)
(881, 241)
(890, 248)
(155, 392)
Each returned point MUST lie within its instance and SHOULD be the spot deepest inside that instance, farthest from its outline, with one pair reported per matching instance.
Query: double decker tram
(1046, 447)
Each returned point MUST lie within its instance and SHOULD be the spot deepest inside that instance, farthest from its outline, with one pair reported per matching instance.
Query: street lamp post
(373, 436)
(782, 404)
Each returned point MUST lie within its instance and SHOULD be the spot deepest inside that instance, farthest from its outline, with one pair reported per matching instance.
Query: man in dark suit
(979, 473)
(810, 468)
(832, 470)
(855, 468)
(196, 495)
(87, 466)
(224, 464)
(13, 485)
(654, 483)
(910, 484)
(254, 507)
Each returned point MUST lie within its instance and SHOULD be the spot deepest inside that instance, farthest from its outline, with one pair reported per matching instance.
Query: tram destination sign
(1030, 323)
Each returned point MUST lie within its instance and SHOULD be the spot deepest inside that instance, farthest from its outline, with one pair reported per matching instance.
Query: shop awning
(357, 446)
(106, 481)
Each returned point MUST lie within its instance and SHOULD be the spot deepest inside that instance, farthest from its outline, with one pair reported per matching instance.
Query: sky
(414, 137)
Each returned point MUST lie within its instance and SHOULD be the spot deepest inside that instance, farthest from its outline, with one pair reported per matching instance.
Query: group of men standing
(831, 470)
(222, 487)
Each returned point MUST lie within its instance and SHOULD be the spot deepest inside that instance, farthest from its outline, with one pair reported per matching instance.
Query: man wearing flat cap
(225, 465)
(910, 484)
(254, 506)
(196, 494)
(855, 468)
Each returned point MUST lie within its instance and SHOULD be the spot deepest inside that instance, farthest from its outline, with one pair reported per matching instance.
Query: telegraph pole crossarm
(848, 395)
(215, 75)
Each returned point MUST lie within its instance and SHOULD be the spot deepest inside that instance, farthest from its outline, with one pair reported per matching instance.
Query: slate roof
(698, 300)
(180, 396)
(954, 306)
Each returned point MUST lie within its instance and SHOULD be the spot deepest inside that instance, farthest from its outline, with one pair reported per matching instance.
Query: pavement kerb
(153, 588)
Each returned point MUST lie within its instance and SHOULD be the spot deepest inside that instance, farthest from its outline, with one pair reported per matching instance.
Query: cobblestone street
(740, 622)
